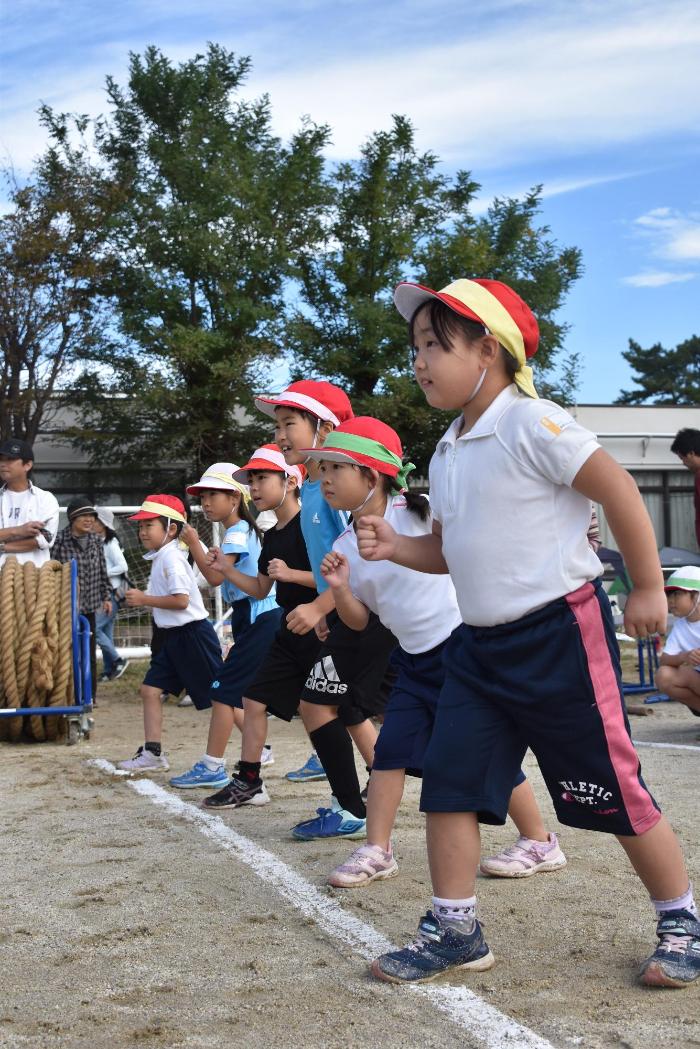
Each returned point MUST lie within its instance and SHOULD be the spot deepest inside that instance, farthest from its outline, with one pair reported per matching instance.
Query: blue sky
(600, 102)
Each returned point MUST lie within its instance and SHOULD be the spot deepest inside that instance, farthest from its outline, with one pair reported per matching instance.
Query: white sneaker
(144, 761)
(186, 701)
(267, 757)
(525, 858)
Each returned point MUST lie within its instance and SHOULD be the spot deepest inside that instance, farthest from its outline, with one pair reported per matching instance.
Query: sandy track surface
(123, 925)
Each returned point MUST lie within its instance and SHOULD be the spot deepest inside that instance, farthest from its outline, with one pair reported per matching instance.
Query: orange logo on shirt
(551, 426)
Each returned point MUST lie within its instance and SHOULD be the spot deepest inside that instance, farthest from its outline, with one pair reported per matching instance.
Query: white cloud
(673, 234)
(657, 279)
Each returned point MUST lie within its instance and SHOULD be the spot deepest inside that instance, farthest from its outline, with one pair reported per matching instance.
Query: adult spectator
(686, 445)
(78, 541)
(113, 665)
(28, 514)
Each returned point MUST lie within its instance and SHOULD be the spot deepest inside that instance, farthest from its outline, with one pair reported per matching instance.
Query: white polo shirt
(419, 609)
(171, 574)
(684, 637)
(34, 504)
(513, 530)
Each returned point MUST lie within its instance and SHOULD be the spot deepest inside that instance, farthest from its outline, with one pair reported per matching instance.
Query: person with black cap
(28, 515)
(78, 541)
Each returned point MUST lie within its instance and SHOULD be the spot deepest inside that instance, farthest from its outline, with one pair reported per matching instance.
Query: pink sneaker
(525, 858)
(366, 864)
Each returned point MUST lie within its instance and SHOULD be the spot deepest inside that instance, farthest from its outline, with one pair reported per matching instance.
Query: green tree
(664, 376)
(211, 215)
(397, 217)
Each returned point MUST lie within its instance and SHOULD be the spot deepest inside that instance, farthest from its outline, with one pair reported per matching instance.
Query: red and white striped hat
(322, 399)
(269, 457)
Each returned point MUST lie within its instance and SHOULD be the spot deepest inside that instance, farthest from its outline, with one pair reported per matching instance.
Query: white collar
(487, 421)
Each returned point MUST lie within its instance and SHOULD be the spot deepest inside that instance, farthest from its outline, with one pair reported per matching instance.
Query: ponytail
(245, 515)
(415, 502)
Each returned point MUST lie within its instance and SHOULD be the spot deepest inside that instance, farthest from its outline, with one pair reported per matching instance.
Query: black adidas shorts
(352, 670)
(285, 667)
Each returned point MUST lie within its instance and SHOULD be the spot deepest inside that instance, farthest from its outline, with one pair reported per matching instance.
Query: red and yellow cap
(161, 506)
(488, 302)
(269, 457)
(365, 441)
(322, 399)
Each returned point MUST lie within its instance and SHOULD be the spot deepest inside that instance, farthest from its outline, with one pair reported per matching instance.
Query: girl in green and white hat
(679, 673)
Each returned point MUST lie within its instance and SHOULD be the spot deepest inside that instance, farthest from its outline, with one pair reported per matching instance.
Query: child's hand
(376, 539)
(335, 569)
(279, 570)
(189, 535)
(646, 612)
(217, 559)
(134, 598)
(303, 618)
(321, 629)
(694, 657)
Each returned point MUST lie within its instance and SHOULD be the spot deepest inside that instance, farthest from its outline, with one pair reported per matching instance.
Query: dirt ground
(122, 925)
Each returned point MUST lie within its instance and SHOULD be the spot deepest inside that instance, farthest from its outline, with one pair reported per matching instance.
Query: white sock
(212, 763)
(680, 903)
(455, 910)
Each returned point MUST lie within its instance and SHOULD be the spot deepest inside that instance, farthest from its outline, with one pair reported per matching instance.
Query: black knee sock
(155, 748)
(333, 745)
(249, 771)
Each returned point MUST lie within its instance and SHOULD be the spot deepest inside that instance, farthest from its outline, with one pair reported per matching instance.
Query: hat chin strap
(315, 440)
(364, 502)
(478, 386)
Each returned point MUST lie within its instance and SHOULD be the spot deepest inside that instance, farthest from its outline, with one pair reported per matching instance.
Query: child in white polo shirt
(679, 673)
(535, 662)
(190, 655)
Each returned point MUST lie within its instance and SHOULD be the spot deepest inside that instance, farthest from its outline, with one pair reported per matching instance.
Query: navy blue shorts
(550, 681)
(411, 711)
(189, 658)
(283, 671)
(251, 644)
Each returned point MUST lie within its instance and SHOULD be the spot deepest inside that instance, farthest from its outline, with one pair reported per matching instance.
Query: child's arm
(190, 537)
(306, 617)
(139, 598)
(680, 658)
(336, 571)
(377, 541)
(256, 587)
(280, 571)
(604, 481)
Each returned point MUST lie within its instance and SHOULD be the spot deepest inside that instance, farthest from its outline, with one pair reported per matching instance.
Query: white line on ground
(485, 1023)
(665, 746)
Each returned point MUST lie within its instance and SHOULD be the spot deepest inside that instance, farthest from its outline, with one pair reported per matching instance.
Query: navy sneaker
(331, 823)
(312, 770)
(438, 948)
(236, 793)
(676, 961)
(201, 776)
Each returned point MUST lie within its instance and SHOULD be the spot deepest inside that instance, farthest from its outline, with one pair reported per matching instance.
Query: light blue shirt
(320, 526)
(241, 540)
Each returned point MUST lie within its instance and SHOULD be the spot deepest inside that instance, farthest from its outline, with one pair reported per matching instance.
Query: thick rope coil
(36, 657)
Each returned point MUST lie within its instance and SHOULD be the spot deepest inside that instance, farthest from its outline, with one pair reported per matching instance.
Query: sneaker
(102, 678)
(186, 701)
(366, 864)
(438, 948)
(267, 758)
(312, 770)
(144, 761)
(676, 961)
(118, 669)
(200, 775)
(238, 792)
(331, 823)
(525, 858)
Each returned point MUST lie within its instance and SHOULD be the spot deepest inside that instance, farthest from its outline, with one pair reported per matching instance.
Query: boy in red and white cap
(679, 672)
(535, 662)
(340, 694)
(190, 655)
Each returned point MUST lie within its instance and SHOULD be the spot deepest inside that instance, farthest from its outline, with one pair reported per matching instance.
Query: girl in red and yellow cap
(535, 662)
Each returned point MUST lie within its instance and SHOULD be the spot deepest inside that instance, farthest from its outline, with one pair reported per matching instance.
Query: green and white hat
(686, 578)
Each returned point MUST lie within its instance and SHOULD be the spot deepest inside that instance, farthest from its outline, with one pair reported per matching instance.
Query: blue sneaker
(438, 948)
(676, 961)
(313, 769)
(200, 776)
(331, 823)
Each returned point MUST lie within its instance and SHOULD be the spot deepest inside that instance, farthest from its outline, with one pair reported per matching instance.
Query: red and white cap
(269, 457)
(161, 506)
(322, 399)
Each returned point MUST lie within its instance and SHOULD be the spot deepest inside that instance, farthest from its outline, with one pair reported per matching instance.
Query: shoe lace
(674, 943)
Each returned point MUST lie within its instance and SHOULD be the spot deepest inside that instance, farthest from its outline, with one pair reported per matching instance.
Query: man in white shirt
(28, 515)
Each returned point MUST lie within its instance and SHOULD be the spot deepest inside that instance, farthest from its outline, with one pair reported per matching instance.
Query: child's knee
(149, 693)
(664, 678)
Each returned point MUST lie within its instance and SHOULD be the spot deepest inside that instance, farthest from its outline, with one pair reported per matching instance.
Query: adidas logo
(315, 519)
(324, 678)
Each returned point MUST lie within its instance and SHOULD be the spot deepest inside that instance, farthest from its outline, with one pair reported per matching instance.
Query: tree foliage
(664, 376)
(395, 216)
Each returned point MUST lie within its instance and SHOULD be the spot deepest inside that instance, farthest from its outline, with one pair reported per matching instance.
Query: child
(361, 462)
(113, 665)
(535, 662)
(254, 622)
(679, 673)
(189, 655)
(283, 562)
(78, 541)
(341, 693)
